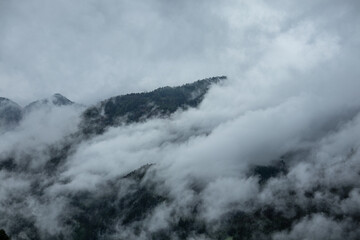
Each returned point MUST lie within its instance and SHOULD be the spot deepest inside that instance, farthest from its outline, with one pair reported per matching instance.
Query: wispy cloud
(292, 96)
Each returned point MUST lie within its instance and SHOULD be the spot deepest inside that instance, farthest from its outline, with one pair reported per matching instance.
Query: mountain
(137, 107)
(55, 100)
(93, 215)
(53, 192)
(132, 108)
(10, 113)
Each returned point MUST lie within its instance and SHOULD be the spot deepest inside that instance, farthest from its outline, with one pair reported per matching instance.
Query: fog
(291, 95)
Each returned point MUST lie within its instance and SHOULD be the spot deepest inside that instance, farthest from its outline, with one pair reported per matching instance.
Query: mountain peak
(6, 101)
(58, 95)
(10, 113)
(59, 100)
(55, 100)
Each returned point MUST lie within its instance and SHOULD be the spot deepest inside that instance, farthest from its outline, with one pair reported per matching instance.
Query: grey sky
(90, 50)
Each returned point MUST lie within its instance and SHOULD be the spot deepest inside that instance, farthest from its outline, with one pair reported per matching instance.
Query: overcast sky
(90, 50)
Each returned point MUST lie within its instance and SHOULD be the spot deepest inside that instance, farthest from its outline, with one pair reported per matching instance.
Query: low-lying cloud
(291, 99)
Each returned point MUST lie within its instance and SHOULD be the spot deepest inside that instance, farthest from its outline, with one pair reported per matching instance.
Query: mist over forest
(224, 120)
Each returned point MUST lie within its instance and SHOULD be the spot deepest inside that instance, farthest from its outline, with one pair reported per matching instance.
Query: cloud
(38, 130)
(118, 47)
(292, 95)
(319, 227)
(102, 45)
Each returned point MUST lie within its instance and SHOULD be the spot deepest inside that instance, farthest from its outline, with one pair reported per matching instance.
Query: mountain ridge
(10, 113)
(135, 107)
(128, 200)
(54, 100)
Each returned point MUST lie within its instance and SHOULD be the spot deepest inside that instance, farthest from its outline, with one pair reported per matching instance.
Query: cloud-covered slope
(271, 153)
(10, 114)
(55, 100)
(212, 172)
(141, 106)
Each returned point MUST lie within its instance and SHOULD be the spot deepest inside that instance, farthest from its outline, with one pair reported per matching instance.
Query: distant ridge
(10, 114)
(133, 107)
(136, 107)
(55, 100)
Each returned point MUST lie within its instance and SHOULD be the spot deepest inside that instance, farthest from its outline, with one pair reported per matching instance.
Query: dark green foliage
(58, 155)
(136, 107)
(183, 227)
(138, 174)
(26, 225)
(267, 172)
(3, 235)
(161, 235)
(7, 164)
(186, 226)
(255, 225)
(136, 206)
(94, 215)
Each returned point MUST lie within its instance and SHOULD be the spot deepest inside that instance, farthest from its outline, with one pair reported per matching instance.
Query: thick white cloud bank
(292, 90)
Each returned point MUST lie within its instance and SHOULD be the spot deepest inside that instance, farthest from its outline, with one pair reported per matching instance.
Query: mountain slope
(10, 113)
(128, 184)
(55, 100)
(136, 107)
